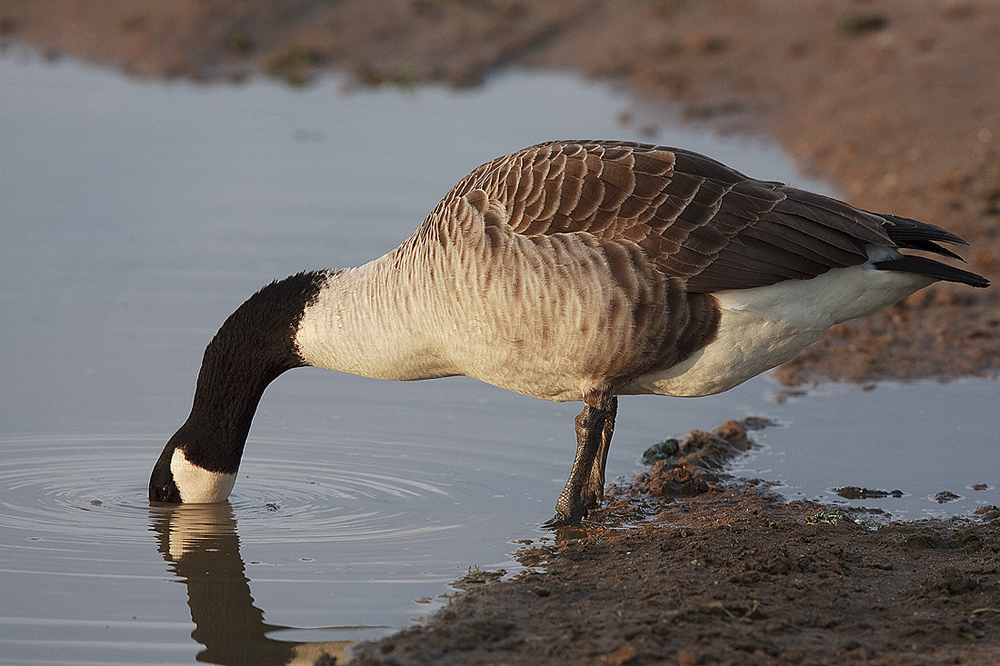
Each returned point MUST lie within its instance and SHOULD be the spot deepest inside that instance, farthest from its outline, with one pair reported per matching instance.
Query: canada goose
(566, 271)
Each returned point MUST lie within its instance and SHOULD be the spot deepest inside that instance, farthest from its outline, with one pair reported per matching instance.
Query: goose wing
(694, 218)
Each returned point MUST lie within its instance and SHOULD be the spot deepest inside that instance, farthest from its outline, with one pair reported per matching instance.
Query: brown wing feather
(672, 227)
(696, 219)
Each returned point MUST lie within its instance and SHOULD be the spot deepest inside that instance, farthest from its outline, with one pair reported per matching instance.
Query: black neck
(253, 347)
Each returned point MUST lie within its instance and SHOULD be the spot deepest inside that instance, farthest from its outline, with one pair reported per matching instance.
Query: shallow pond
(138, 215)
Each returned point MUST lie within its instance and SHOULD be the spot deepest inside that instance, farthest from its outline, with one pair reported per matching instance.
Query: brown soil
(686, 567)
(897, 102)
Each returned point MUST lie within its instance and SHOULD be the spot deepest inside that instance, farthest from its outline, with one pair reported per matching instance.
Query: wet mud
(688, 566)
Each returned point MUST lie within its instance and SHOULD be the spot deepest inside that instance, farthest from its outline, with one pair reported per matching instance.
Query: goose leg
(593, 493)
(588, 466)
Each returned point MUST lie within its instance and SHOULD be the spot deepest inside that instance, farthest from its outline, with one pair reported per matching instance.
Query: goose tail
(913, 235)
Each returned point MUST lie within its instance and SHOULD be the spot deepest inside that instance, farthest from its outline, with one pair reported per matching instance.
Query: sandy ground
(897, 102)
(686, 567)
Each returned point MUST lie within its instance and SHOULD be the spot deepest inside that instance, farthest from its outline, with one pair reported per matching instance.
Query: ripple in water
(78, 540)
(74, 487)
(89, 488)
(324, 492)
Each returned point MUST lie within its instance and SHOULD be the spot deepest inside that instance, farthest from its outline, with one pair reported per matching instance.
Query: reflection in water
(201, 543)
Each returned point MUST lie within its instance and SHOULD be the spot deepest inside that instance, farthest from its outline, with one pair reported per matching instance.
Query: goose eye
(165, 493)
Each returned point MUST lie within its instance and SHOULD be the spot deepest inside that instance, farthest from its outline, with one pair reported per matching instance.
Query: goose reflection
(202, 546)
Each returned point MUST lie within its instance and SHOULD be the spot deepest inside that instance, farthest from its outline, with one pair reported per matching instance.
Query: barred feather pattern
(605, 255)
(573, 267)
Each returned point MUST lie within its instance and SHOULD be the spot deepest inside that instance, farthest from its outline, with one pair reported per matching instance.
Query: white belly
(766, 326)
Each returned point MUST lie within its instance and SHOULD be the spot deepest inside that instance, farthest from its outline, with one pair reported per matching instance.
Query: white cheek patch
(197, 485)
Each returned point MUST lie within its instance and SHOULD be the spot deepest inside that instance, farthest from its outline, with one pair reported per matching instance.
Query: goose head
(256, 344)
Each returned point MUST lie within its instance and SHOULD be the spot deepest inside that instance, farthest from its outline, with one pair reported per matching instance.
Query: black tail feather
(932, 269)
(928, 246)
(905, 232)
(913, 235)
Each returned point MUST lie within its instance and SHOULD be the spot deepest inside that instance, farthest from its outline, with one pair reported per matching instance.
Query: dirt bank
(687, 567)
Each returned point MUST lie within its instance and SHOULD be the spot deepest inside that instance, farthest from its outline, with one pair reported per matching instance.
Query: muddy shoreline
(893, 101)
(687, 566)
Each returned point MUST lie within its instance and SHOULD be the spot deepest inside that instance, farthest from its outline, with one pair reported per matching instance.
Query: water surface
(138, 215)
